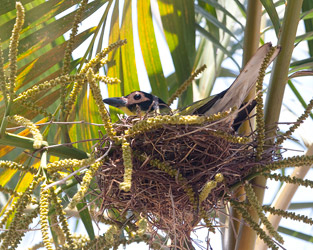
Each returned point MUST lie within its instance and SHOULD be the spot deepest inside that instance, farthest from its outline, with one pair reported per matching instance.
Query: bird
(233, 96)
(138, 101)
(145, 102)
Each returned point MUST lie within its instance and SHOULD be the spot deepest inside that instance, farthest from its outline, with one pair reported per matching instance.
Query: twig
(61, 123)
(62, 181)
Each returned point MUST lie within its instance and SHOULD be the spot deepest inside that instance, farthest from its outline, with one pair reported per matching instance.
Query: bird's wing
(194, 107)
(243, 84)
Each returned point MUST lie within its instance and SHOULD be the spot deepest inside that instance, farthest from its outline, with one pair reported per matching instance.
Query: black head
(137, 100)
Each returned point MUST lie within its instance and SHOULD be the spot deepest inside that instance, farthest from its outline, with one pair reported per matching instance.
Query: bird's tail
(239, 90)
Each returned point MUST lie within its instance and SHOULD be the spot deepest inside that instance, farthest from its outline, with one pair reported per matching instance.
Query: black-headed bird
(138, 101)
(234, 96)
(145, 102)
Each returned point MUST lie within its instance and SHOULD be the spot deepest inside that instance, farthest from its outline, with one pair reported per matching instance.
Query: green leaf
(214, 21)
(130, 77)
(305, 15)
(86, 219)
(27, 143)
(299, 96)
(307, 6)
(101, 25)
(8, 5)
(227, 73)
(35, 68)
(216, 43)
(296, 234)
(178, 26)
(150, 51)
(300, 205)
(224, 10)
(115, 61)
(308, 36)
(81, 132)
(242, 8)
(32, 39)
(270, 8)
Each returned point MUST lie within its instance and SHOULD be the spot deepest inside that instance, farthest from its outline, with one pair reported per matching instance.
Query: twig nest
(172, 165)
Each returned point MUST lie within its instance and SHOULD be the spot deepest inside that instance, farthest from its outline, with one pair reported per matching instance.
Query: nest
(197, 153)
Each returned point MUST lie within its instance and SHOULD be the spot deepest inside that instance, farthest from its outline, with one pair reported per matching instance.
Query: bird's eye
(137, 97)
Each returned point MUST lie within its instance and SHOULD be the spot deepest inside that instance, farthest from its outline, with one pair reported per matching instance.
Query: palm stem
(279, 78)
(251, 44)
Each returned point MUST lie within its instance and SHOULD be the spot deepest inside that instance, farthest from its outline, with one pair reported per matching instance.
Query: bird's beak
(116, 101)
